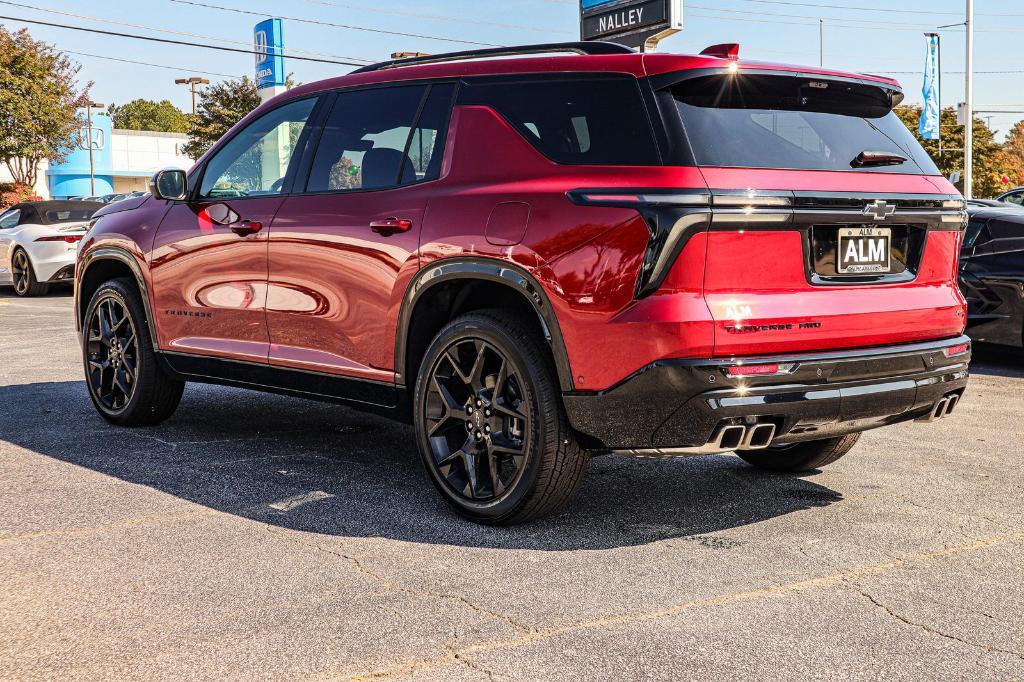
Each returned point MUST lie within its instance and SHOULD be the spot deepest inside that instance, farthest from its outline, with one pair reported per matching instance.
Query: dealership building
(122, 161)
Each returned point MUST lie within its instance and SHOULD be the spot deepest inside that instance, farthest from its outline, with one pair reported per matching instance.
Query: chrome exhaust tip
(759, 437)
(730, 437)
(938, 411)
(951, 404)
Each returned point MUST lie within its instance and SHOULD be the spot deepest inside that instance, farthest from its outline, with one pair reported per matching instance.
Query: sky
(868, 36)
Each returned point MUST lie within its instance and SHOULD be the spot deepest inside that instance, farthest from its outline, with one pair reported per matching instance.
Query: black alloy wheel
(112, 354)
(25, 283)
(491, 428)
(479, 423)
(126, 381)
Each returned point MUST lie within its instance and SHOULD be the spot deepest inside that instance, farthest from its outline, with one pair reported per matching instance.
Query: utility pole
(969, 104)
(821, 42)
(192, 82)
(88, 128)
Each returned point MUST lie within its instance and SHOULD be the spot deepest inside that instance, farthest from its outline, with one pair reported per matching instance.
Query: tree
(220, 106)
(1010, 159)
(39, 102)
(951, 159)
(145, 114)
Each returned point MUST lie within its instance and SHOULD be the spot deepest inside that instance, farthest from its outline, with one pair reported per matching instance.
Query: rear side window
(585, 121)
(380, 138)
(756, 121)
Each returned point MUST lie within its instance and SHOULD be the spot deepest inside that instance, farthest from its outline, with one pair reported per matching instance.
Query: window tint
(369, 141)
(426, 145)
(591, 121)
(1017, 198)
(1005, 229)
(9, 219)
(796, 123)
(69, 215)
(255, 161)
(973, 231)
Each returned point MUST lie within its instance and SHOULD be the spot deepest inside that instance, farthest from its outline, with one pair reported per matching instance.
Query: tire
(500, 414)
(25, 282)
(122, 373)
(800, 457)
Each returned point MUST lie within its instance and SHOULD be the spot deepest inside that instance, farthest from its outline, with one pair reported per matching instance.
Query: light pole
(88, 127)
(969, 104)
(821, 42)
(192, 82)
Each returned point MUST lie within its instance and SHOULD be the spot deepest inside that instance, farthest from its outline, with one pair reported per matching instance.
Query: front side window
(373, 139)
(583, 121)
(1017, 198)
(757, 121)
(9, 219)
(255, 161)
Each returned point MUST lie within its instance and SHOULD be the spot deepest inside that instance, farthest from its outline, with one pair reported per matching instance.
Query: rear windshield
(68, 215)
(755, 121)
(578, 120)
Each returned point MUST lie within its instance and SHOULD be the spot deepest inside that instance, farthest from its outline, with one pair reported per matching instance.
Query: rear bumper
(686, 403)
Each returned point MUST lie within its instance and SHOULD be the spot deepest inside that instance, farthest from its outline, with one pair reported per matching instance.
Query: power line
(438, 17)
(334, 25)
(856, 8)
(886, 10)
(157, 66)
(173, 42)
(164, 30)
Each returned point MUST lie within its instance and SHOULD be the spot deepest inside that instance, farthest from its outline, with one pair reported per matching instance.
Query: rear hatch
(831, 227)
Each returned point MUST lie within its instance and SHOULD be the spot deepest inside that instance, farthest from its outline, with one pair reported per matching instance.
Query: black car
(992, 273)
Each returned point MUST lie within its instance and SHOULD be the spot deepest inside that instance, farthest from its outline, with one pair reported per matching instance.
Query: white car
(39, 242)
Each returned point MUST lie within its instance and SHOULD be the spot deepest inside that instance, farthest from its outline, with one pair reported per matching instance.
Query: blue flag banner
(929, 126)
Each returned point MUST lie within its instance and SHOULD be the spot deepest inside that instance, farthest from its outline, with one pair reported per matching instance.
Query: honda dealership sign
(637, 23)
(268, 44)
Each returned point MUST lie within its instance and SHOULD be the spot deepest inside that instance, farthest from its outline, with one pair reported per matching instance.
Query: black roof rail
(589, 47)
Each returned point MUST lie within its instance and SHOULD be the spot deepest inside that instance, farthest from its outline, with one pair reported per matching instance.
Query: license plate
(864, 250)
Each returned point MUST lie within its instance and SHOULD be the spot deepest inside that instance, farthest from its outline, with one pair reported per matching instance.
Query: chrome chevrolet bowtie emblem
(879, 210)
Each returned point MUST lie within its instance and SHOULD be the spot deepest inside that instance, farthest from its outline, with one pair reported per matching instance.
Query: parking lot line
(838, 578)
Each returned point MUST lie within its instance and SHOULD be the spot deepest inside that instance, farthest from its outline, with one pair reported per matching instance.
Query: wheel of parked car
(25, 283)
(492, 431)
(126, 382)
(801, 456)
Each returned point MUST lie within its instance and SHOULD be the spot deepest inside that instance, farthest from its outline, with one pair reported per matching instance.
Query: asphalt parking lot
(261, 536)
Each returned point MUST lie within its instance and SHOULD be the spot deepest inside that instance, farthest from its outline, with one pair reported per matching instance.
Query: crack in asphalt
(835, 579)
(389, 585)
(986, 648)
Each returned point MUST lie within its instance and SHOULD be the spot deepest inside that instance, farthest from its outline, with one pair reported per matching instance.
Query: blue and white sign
(268, 44)
(637, 23)
(931, 110)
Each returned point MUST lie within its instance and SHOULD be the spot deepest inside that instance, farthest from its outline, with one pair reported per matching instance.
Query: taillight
(958, 349)
(70, 238)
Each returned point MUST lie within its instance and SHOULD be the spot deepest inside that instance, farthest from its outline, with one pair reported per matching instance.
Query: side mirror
(170, 184)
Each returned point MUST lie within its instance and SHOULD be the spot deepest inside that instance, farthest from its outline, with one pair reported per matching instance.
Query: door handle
(246, 227)
(391, 225)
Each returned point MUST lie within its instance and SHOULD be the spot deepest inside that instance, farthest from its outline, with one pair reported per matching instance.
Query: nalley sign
(637, 23)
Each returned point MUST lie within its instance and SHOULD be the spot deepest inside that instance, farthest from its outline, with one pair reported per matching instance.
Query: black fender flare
(489, 270)
(108, 253)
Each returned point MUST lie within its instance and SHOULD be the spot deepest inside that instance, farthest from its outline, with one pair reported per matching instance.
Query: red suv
(538, 258)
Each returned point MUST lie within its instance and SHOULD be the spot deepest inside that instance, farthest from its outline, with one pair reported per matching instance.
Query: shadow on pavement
(320, 468)
(54, 291)
(1002, 361)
